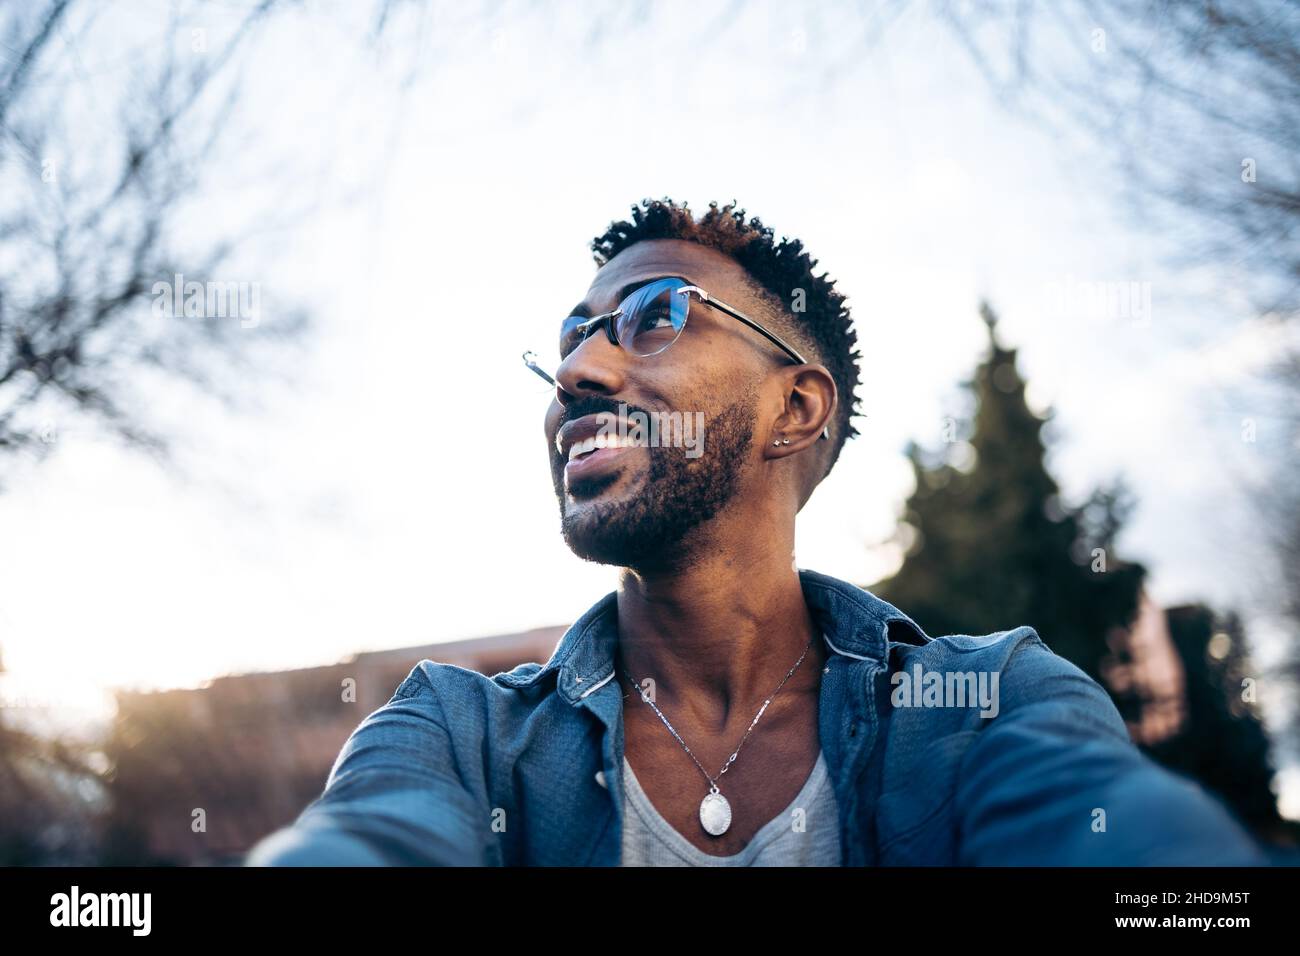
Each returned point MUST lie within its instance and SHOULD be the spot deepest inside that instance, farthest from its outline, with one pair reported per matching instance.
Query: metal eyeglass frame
(530, 358)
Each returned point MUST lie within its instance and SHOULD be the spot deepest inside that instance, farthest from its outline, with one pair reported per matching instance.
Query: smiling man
(723, 707)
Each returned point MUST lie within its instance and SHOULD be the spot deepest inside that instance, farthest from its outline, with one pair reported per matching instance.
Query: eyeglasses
(650, 320)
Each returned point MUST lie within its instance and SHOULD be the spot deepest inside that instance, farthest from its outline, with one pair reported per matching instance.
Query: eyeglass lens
(652, 317)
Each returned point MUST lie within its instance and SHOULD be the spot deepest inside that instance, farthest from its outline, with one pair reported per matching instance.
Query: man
(723, 707)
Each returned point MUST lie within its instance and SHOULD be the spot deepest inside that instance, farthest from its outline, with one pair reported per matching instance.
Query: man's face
(637, 506)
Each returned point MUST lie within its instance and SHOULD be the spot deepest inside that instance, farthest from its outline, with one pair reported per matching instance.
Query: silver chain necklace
(715, 811)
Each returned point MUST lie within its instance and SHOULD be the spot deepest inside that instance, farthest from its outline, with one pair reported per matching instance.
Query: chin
(607, 531)
(597, 548)
(594, 532)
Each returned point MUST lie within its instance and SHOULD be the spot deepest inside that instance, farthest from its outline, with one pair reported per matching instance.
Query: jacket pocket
(902, 813)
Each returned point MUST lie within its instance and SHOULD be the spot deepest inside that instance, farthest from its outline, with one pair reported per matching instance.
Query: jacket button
(853, 730)
(600, 779)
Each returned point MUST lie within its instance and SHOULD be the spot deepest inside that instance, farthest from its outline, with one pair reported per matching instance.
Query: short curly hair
(777, 271)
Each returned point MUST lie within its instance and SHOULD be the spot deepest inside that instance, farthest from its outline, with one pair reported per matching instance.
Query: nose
(595, 367)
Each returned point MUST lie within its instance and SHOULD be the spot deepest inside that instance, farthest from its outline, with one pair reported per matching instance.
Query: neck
(721, 634)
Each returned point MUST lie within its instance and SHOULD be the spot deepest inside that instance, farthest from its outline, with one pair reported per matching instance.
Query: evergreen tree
(993, 547)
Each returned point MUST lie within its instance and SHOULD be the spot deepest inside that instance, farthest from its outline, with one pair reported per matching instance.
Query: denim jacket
(525, 767)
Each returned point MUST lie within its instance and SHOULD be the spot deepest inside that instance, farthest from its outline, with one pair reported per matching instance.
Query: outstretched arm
(1055, 780)
(393, 797)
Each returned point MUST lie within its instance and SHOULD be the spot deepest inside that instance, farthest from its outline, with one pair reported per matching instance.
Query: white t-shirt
(650, 840)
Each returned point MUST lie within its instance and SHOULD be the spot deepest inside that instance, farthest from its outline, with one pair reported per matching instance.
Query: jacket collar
(855, 622)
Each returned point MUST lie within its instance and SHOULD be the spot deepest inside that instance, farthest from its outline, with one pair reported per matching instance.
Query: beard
(649, 529)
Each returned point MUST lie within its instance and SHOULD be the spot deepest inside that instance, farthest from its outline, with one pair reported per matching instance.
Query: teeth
(600, 441)
(582, 447)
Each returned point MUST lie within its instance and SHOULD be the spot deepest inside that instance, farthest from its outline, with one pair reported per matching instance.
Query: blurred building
(1183, 680)
(201, 774)
(1145, 674)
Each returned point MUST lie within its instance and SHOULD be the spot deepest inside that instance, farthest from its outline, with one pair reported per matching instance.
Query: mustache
(594, 405)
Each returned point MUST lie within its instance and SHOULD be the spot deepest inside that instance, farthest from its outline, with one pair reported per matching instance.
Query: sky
(392, 487)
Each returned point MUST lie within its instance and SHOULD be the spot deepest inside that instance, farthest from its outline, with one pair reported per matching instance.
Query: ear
(810, 399)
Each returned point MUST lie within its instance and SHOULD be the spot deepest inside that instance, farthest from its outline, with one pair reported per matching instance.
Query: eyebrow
(584, 311)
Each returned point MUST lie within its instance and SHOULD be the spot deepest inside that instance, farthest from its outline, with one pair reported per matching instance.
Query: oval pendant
(715, 814)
